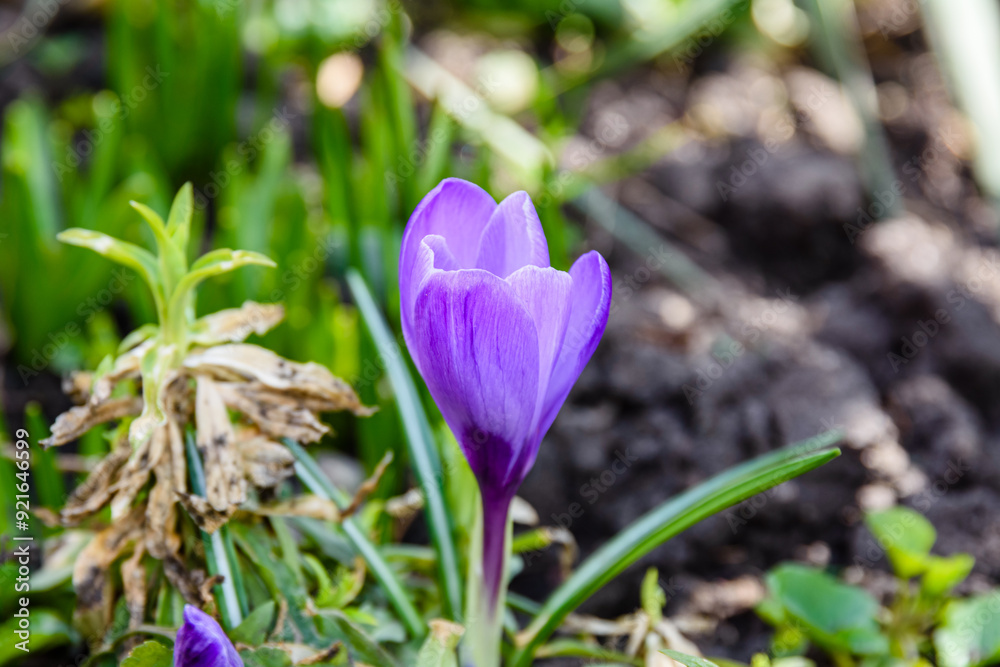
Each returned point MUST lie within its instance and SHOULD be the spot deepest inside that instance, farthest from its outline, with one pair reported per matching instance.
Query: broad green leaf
(907, 537)
(664, 522)
(969, 635)
(149, 654)
(835, 615)
(179, 220)
(420, 443)
(256, 626)
(944, 573)
(688, 660)
(128, 254)
(266, 656)
(439, 648)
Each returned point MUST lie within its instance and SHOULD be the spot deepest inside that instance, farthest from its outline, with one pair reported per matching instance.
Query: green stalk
(315, 480)
(420, 444)
(664, 522)
(481, 644)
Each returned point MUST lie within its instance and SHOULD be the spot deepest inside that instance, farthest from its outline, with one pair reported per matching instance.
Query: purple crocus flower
(202, 643)
(498, 335)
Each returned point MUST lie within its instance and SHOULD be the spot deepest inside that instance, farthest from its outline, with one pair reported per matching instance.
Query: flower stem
(487, 581)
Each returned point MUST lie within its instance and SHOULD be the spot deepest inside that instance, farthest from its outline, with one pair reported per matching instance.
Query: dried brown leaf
(274, 413)
(368, 486)
(308, 506)
(265, 463)
(76, 421)
(207, 517)
(225, 486)
(135, 473)
(96, 491)
(309, 381)
(90, 572)
(234, 325)
(134, 583)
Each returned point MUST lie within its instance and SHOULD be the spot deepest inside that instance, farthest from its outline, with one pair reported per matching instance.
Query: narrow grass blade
(314, 478)
(219, 552)
(664, 522)
(420, 444)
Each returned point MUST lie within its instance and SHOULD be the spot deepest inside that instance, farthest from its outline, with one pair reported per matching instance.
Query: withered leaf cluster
(275, 398)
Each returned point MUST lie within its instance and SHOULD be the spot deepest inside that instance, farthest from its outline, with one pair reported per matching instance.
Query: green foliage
(840, 618)
(922, 623)
(149, 654)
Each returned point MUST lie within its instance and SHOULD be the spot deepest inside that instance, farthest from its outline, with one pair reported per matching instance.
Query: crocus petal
(202, 643)
(478, 353)
(456, 210)
(546, 293)
(513, 238)
(590, 305)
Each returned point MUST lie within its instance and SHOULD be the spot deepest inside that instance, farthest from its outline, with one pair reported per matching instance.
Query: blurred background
(797, 200)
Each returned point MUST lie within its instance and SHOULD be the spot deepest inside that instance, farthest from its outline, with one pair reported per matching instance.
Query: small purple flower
(202, 643)
(498, 335)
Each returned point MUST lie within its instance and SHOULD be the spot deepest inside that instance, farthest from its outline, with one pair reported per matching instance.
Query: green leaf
(969, 635)
(688, 660)
(838, 617)
(358, 640)
(907, 537)
(179, 220)
(149, 654)
(667, 520)
(420, 444)
(573, 648)
(256, 626)
(652, 596)
(316, 481)
(208, 265)
(266, 656)
(172, 262)
(280, 581)
(944, 573)
(128, 254)
(439, 648)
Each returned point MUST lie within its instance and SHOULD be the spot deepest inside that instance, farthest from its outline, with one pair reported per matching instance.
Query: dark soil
(888, 331)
